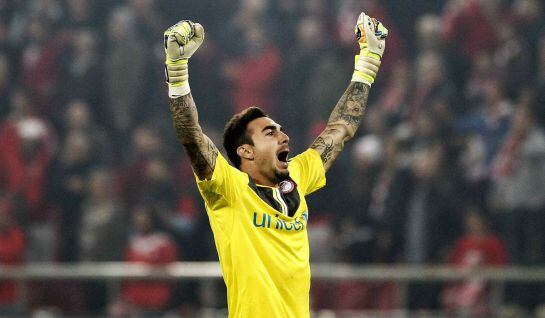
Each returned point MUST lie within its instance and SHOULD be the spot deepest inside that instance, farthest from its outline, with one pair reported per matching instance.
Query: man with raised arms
(256, 206)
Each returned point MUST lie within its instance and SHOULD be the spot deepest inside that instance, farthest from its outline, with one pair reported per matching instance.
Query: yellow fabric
(264, 255)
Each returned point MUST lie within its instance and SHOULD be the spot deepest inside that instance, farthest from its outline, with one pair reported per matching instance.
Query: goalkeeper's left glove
(371, 35)
(181, 41)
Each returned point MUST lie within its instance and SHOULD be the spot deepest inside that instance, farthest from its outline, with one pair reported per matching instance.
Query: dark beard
(281, 176)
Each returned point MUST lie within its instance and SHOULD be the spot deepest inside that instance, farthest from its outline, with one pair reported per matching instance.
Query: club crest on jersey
(287, 186)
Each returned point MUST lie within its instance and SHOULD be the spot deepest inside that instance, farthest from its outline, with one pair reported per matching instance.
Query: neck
(257, 176)
(264, 181)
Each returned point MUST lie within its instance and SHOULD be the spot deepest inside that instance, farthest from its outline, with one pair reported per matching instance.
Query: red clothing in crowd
(484, 251)
(11, 253)
(255, 80)
(473, 251)
(152, 249)
(24, 177)
(469, 29)
(40, 69)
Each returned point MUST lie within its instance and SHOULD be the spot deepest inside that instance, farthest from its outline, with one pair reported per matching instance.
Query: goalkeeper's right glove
(371, 35)
(181, 41)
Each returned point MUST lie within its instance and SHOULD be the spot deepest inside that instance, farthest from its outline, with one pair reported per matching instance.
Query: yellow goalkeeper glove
(371, 35)
(181, 41)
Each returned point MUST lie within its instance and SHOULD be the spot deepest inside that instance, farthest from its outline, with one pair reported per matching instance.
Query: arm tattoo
(200, 149)
(343, 123)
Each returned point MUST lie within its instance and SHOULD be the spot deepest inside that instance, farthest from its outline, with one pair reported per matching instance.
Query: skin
(201, 150)
(260, 160)
(343, 123)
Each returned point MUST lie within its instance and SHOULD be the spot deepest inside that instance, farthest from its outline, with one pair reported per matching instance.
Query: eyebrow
(273, 127)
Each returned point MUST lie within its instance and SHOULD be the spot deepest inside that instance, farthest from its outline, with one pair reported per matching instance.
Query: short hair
(235, 134)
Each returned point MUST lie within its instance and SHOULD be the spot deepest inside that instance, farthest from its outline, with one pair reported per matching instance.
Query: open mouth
(283, 156)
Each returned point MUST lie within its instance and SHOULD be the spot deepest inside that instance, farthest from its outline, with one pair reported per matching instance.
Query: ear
(245, 151)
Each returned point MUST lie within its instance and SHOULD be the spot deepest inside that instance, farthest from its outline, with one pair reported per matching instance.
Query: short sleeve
(221, 189)
(308, 171)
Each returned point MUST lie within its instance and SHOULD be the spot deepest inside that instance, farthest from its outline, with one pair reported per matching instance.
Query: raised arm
(201, 150)
(347, 114)
(343, 123)
(181, 41)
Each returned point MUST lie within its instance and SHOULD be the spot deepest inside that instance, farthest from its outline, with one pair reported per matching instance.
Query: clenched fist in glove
(181, 41)
(371, 35)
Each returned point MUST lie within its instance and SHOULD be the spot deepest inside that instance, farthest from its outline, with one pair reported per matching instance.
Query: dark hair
(235, 133)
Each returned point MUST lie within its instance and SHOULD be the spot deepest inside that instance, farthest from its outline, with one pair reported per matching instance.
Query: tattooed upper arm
(201, 150)
(343, 123)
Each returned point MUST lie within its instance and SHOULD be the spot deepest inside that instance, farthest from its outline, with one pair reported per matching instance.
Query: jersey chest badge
(287, 186)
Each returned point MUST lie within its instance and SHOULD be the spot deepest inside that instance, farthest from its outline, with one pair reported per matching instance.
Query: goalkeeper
(256, 206)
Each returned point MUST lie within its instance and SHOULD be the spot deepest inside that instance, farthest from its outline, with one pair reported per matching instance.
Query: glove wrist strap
(180, 89)
(366, 68)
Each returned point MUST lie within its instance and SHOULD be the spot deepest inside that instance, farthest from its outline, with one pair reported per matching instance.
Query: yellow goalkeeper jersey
(261, 237)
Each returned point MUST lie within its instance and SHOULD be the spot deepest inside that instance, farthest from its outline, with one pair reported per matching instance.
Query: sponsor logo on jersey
(264, 220)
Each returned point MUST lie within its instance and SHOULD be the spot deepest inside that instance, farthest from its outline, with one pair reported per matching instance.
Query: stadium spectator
(124, 65)
(40, 69)
(136, 175)
(386, 198)
(254, 75)
(80, 67)
(78, 116)
(474, 21)
(367, 158)
(312, 57)
(428, 200)
(68, 178)
(477, 247)
(430, 82)
(148, 245)
(158, 187)
(102, 233)
(518, 196)
(27, 145)
(518, 186)
(490, 123)
(428, 29)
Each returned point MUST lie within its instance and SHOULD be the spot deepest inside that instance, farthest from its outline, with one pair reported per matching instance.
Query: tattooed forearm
(351, 107)
(200, 149)
(325, 145)
(343, 123)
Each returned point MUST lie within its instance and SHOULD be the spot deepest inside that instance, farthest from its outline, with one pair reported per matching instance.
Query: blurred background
(448, 167)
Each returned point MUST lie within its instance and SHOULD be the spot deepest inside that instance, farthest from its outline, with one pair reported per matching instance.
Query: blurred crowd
(448, 166)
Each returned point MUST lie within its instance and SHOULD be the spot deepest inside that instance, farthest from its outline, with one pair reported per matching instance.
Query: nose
(284, 138)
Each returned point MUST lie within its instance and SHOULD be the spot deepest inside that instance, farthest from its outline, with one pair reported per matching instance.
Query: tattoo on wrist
(325, 146)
